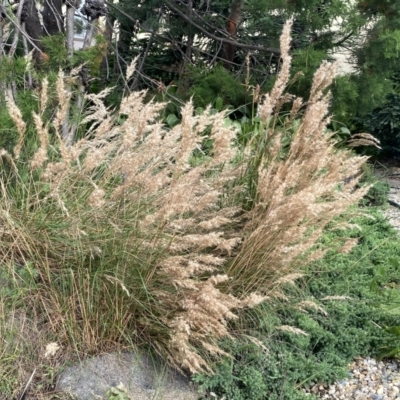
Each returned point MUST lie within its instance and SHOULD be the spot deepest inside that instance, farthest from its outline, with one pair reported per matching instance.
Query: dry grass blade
(22, 396)
(292, 329)
(298, 192)
(307, 304)
(16, 116)
(363, 139)
(337, 298)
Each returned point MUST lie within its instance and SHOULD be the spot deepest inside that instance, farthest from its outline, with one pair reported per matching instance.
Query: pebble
(369, 380)
(393, 213)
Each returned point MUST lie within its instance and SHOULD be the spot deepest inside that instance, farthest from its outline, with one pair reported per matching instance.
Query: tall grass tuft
(130, 241)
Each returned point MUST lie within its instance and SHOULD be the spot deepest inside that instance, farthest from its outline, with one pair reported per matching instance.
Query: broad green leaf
(172, 120)
(219, 103)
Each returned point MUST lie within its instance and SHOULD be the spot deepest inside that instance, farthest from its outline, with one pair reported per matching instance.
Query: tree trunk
(231, 27)
(89, 33)
(93, 9)
(70, 30)
(53, 17)
(32, 25)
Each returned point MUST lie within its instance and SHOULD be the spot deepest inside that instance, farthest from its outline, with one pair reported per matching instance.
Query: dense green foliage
(367, 33)
(182, 51)
(384, 123)
(352, 327)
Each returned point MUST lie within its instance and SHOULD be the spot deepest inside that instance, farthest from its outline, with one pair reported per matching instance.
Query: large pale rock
(143, 379)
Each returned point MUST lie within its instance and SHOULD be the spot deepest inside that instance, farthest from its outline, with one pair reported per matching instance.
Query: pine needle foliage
(130, 241)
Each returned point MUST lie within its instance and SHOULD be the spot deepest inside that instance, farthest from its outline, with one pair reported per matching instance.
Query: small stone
(314, 389)
(392, 395)
(380, 390)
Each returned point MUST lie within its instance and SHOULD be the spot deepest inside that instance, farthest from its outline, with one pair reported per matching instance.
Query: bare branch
(204, 31)
(16, 35)
(224, 40)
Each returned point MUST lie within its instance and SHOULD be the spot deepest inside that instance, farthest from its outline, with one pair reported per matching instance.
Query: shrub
(384, 123)
(208, 85)
(129, 241)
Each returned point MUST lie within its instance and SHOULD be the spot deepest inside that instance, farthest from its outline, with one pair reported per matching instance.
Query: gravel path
(368, 380)
(393, 213)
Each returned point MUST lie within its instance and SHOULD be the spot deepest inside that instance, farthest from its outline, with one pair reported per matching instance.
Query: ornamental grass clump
(128, 240)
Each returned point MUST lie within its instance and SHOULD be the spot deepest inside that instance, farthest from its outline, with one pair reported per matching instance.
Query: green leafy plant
(117, 393)
(384, 123)
(389, 303)
(206, 86)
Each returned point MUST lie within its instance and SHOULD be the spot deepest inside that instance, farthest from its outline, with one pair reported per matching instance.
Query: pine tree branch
(204, 31)
(216, 38)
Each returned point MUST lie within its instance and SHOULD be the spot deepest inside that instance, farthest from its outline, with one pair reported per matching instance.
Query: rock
(380, 390)
(142, 377)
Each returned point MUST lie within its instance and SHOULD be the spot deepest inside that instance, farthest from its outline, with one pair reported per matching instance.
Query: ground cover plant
(122, 238)
(337, 311)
